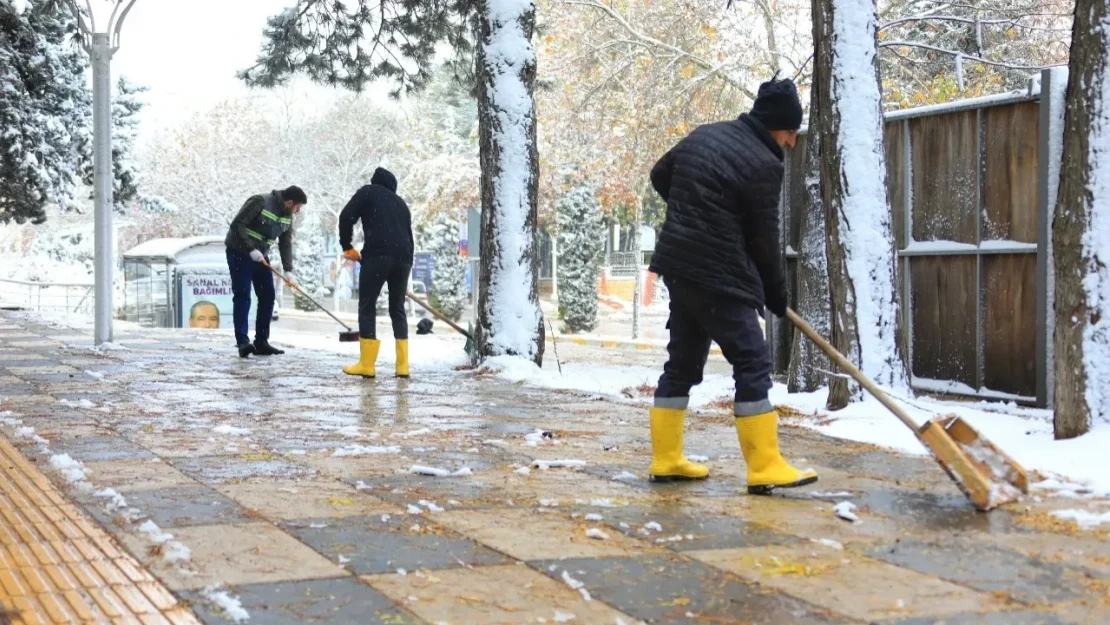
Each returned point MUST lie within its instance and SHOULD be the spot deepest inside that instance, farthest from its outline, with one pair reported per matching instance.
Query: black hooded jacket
(386, 220)
(722, 185)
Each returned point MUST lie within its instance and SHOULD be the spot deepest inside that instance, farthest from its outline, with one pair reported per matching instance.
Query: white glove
(257, 256)
(290, 279)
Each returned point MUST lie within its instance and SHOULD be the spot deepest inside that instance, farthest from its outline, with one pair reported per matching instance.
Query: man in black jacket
(263, 220)
(386, 257)
(719, 256)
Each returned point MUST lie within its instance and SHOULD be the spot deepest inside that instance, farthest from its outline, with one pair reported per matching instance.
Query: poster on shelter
(206, 302)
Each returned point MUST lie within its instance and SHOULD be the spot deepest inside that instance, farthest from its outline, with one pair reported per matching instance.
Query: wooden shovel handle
(438, 315)
(847, 366)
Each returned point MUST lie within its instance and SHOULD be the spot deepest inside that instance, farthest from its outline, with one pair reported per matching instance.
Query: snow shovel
(985, 474)
(349, 336)
(469, 347)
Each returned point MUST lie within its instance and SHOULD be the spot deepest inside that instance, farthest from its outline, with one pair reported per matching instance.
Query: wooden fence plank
(944, 167)
(944, 318)
(1010, 314)
(1010, 176)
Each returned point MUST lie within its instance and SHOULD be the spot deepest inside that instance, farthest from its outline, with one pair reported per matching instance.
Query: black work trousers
(376, 272)
(698, 318)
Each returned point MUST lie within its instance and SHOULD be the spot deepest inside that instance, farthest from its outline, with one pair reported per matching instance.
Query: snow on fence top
(1032, 92)
(168, 248)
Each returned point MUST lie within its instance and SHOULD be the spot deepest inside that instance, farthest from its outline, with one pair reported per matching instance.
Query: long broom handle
(307, 296)
(438, 315)
(846, 365)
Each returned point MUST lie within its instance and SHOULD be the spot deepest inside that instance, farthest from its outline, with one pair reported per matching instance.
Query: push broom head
(350, 336)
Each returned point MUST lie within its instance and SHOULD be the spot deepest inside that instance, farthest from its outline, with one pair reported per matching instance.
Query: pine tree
(126, 105)
(308, 258)
(581, 242)
(449, 276)
(45, 109)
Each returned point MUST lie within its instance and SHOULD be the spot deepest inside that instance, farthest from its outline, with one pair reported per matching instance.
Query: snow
(436, 472)
(513, 313)
(544, 465)
(167, 249)
(229, 429)
(1057, 101)
(73, 470)
(865, 213)
(1084, 518)
(172, 550)
(1025, 434)
(596, 534)
(230, 606)
(846, 510)
(653, 526)
(576, 585)
(828, 542)
(1095, 242)
(365, 450)
(593, 516)
(116, 500)
(625, 476)
(949, 387)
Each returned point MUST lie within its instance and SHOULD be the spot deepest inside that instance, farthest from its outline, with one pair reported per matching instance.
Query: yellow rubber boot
(668, 464)
(402, 358)
(759, 440)
(368, 356)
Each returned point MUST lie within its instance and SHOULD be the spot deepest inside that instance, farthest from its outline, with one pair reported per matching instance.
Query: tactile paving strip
(57, 567)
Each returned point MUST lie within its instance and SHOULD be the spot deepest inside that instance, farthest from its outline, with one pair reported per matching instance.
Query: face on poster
(207, 302)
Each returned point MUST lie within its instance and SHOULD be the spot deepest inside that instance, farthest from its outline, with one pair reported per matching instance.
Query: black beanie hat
(296, 194)
(777, 105)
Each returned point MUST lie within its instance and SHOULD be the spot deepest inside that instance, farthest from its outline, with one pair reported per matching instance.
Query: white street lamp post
(101, 44)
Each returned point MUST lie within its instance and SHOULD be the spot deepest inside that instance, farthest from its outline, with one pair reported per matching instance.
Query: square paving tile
(371, 545)
(687, 528)
(847, 584)
(1023, 617)
(470, 492)
(99, 449)
(675, 590)
(527, 534)
(493, 595)
(234, 555)
(986, 568)
(182, 506)
(342, 601)
(308, 499)
(179, 444)
(134, 475)
(224, 469)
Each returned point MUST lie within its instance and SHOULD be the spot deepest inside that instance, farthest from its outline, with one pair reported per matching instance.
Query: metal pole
(102, 185)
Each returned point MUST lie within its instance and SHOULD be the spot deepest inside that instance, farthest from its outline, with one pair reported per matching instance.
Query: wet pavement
(306, 495)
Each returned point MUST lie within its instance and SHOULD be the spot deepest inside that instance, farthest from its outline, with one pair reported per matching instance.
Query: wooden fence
(966, 188)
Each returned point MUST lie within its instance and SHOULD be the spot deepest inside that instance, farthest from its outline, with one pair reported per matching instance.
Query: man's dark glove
(777, 298)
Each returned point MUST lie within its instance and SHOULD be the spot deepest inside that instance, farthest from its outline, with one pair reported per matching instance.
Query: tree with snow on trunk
(581, 245)
(1081, 231)
(861, 253)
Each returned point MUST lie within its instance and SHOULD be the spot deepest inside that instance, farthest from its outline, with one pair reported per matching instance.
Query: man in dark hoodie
(263, 220)
(719, 256)
(387, 253)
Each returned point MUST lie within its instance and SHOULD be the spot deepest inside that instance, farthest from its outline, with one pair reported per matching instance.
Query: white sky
(188, 51)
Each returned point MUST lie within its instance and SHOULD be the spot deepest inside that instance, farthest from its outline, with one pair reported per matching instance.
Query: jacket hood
(385, 178)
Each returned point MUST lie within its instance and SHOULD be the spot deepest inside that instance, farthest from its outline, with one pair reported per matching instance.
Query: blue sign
(423, 266)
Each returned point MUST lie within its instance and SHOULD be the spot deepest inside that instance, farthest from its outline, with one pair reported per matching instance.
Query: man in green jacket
(263, 220)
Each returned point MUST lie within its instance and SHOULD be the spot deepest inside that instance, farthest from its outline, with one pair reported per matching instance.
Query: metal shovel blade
(988, 476)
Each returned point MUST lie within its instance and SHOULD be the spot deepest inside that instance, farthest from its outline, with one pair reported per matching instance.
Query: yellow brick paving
(58, 567)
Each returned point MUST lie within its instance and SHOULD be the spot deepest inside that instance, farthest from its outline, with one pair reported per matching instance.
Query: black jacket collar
(763, 134)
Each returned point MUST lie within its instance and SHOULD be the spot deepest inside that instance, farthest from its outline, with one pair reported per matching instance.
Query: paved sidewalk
(287, 486)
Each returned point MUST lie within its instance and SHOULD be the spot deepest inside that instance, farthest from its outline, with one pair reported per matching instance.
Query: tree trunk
(861, 256)
(808, 364)
(1081, 232)
(510, 322)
